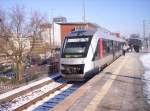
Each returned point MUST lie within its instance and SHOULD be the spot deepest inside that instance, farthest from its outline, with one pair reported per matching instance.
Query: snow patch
(146, 77)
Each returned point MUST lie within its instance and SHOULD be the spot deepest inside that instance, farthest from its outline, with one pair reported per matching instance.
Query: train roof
(88, 32)
(103, 33)
(81, 33)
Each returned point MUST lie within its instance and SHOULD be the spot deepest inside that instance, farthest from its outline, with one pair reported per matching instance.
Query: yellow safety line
(103, 91)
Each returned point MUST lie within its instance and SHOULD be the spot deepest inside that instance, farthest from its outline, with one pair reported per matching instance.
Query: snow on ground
(19, 101)
(7, 94)
(146, 77)
(36, 106)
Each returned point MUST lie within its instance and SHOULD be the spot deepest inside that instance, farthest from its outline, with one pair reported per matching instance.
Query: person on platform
(124, 50)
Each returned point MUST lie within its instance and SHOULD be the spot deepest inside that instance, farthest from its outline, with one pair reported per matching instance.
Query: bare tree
(16, 33)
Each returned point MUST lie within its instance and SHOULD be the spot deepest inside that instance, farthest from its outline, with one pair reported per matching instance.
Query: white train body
(85, 52)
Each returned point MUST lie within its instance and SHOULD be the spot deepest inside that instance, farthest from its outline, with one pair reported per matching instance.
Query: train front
(74, 55)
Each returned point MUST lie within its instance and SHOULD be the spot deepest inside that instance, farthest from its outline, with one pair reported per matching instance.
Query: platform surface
(118, 88)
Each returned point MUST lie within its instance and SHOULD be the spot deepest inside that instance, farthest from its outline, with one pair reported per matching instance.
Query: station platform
(119, 87)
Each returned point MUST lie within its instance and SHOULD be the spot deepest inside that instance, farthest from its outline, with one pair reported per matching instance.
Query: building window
(80, 27)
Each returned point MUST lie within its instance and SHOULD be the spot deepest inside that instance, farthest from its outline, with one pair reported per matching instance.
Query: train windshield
(76, 47)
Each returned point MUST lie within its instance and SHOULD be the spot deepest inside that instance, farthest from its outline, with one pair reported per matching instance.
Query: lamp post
(83, 10)
(144, 32)
(0, 24)
(149, 35)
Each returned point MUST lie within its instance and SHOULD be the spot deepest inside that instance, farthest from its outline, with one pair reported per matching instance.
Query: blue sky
(124, 16)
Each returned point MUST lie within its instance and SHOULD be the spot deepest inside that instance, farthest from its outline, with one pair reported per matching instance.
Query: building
(54, 33)
(117, 34)
(46, 32)
(61, 29)
(60, 19)
(24, 41)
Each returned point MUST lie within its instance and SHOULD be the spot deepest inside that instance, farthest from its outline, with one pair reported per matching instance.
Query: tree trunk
(19, 71)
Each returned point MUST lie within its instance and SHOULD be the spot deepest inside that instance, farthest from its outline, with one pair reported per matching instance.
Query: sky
(123, 16)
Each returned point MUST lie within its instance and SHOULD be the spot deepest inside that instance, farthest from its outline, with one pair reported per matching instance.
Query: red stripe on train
(101, 47)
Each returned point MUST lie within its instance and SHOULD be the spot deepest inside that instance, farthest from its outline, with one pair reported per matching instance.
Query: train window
(76, 47)
(118, 46)
(115, 46)
(110, 46)
(107, 46)
(96, 54)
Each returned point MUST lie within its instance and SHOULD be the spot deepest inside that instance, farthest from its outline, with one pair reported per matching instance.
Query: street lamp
(0, 22)
(83, 6)
(149, 34)
(145, 33)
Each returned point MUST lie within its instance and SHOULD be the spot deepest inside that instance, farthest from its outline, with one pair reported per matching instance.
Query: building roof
(79, 23)
(59, 17)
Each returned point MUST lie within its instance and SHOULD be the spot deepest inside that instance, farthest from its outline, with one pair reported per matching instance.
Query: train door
(96, 57)
(97, 54)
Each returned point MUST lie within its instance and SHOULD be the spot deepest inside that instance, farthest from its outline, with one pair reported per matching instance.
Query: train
(85, 52)
(135, 43)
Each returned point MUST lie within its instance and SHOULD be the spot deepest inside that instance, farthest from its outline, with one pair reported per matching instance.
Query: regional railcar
(135, 43)
(85, 52)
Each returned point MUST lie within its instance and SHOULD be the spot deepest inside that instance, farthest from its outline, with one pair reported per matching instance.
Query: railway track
(8, 96)
(56, 91)
(54, 99)
(26, 105)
